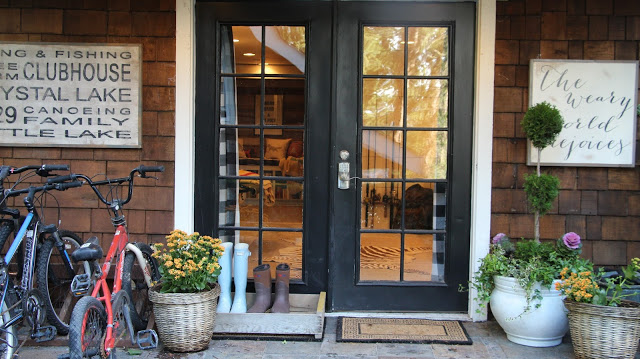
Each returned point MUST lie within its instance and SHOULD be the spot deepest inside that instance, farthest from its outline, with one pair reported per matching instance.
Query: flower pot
(543, 326)
(604, 332)
(185, 321)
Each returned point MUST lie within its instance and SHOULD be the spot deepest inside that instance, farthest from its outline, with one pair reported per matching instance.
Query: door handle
(344, 170)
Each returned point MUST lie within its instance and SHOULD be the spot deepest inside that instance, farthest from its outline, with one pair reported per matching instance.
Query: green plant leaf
(541, 191)
(542, 123)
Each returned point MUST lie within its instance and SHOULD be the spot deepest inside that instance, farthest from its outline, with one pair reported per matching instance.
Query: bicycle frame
(119, 245)
(27, 277)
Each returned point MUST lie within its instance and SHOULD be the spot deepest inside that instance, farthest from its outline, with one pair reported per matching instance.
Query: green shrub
(542, 123)
(541, 191)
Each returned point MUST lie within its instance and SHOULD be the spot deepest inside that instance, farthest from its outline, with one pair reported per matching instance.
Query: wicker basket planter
(604, 332)
(185, 321)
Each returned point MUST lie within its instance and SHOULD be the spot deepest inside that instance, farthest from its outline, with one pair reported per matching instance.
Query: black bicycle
(20, 298)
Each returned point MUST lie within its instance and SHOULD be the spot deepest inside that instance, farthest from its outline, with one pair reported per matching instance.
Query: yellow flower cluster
(188, 263)
(579, 287)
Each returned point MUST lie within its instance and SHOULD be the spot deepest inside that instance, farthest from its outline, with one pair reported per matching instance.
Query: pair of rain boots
(240, 267)
(262, 280)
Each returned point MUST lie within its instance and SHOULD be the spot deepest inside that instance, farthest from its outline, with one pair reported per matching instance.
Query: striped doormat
(390, 330)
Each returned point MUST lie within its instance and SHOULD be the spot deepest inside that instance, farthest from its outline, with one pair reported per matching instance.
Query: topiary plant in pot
(541, 123)
(517, 278)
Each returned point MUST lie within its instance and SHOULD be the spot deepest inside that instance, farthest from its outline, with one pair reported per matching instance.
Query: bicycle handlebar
(32, 190)
(65, 178)
(142, 170)
(40, 170)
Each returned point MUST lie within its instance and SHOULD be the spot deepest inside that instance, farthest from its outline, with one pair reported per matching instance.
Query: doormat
(390, 330)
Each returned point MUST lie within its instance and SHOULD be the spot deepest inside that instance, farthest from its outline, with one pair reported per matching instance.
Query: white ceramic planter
(539, 327)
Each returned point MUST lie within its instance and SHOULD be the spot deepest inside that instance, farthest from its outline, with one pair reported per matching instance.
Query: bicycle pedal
(147, 339)
(44, 334)
(80, 284)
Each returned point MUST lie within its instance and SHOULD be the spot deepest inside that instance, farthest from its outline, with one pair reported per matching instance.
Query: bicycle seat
(13, 212)
(49, 228)
(91, 250)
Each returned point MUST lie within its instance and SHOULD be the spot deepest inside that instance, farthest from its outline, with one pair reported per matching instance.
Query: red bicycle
(100, 320)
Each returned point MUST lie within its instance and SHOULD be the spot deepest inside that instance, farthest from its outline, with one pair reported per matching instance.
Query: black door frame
(345, 293)
(323, 269)
(317, 16)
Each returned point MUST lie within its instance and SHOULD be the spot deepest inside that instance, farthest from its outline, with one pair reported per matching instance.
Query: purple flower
(571, 240)
(499, 238)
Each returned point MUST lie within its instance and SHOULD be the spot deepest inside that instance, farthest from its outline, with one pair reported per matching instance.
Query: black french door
(403, 105)
(283, 89)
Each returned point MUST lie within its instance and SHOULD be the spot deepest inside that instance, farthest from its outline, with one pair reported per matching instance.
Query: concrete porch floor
(489, 342)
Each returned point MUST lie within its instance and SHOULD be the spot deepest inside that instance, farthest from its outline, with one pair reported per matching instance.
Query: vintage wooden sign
(70, 95)
(598, 101)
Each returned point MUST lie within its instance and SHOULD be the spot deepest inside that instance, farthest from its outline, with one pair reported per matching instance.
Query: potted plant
(185, 298)
(603, 325)
(630, 275)
(517, 280)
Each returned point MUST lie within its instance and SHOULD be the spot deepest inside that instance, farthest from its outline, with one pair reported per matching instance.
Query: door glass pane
(261, 141)
(380, 256)
(417, 257)
(377, 200)
(247, 49)
(427, 154)
(406, 210)
(381, 155)
(383, 50)
(285, 49)
(428, 51)
(418, 207)
(288, 95)
(427, 103)
(283, 247)
(287, 211)
(382, 103)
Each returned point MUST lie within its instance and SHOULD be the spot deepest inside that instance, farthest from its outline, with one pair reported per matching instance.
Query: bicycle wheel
(121, 333)
(134, 284)
(5, 230)
(8, 337)
(51, 269)
(86, 328)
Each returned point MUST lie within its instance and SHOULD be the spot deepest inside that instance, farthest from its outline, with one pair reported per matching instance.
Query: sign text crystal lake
(70, 95)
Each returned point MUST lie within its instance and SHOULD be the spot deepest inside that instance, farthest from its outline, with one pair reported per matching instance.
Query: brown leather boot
(262, 280)
(281, 303)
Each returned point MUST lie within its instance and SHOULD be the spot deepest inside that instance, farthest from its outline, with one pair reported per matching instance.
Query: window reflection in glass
(382, 102)
(428, 102)
(427, 154)
(428, 51)
(383, 50)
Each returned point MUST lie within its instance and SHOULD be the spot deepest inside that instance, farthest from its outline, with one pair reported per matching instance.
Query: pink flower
(571, 240)
(499, 238)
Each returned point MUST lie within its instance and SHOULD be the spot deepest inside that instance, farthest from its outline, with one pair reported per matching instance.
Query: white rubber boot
(240, 266)
(224, 279)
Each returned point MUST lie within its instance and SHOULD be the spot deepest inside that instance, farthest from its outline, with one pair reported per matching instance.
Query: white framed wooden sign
(598, 101)
(70, 95)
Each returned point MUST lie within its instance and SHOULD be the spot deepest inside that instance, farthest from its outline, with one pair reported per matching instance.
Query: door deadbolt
(343, 170)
